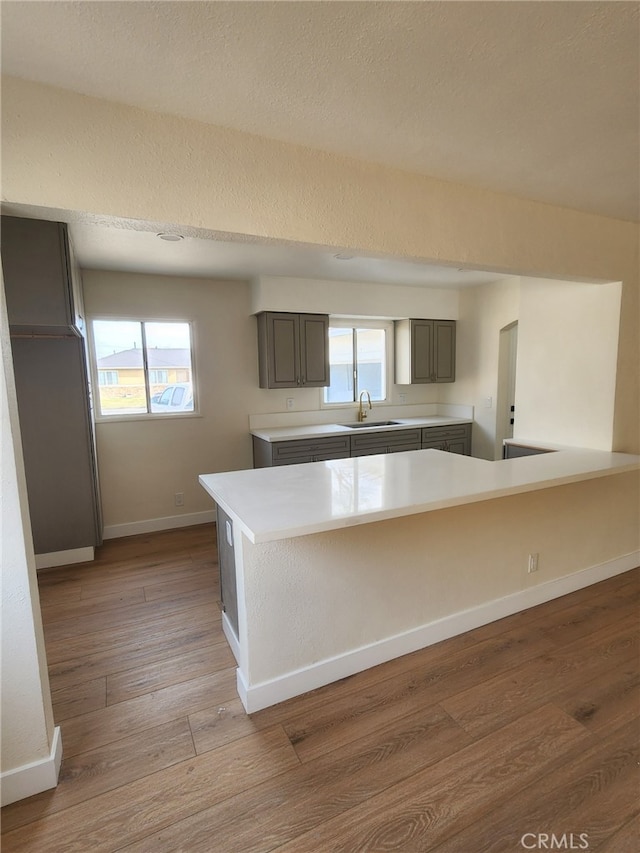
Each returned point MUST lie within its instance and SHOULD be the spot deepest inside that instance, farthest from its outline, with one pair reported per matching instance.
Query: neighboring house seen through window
(144, 367)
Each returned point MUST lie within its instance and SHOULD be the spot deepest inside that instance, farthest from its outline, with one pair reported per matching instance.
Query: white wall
(566, 362)
(143, 463)
(567, 354)
(30, 744)
(484, 310)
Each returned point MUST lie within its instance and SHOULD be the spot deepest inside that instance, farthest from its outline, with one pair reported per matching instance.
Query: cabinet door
(35, 264)
(227, 563)
(285, 348)
(314, 350)
(422, 370)
(57, 443)
(444, 351)
(279, 350)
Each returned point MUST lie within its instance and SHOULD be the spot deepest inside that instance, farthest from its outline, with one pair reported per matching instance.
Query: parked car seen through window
(174, 398)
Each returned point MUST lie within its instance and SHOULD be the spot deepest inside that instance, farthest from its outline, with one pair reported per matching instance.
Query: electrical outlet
(402, 398)
(179, 498)
(289, 403)
(532, 565)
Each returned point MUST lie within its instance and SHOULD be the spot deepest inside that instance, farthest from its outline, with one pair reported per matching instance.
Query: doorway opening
(506, 402)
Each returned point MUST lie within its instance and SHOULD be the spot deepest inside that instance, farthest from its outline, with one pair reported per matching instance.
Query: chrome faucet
(362, 415)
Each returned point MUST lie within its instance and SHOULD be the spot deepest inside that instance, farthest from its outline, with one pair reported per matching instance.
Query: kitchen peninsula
(343, 564)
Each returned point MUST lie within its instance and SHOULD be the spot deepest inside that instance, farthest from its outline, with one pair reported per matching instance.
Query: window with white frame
(359, 360)
(143, 367)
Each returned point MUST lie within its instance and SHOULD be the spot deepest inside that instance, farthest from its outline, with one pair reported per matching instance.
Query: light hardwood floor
(527, 725)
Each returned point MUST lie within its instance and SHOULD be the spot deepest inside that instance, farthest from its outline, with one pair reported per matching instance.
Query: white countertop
(295, 500)
(329, 430)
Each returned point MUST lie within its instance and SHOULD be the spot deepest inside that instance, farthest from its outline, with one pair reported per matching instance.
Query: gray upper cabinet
(293, 350)
(425, 351)
(38, 276)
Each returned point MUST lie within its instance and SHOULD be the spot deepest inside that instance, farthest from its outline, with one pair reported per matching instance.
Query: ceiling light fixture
(169, 237)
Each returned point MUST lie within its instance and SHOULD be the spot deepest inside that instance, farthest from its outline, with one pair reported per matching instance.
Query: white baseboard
(64, 558)
(33, 778)
(151, 525)
(258, 696)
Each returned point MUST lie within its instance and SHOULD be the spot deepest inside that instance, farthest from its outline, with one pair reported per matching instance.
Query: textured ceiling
(537, 99)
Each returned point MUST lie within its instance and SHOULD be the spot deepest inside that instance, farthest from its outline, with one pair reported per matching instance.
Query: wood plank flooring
(527, 725)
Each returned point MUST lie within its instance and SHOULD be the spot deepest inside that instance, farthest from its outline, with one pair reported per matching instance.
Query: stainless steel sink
(365, 424)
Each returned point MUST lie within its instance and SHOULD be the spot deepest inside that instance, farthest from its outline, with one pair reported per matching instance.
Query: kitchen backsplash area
(348, 414)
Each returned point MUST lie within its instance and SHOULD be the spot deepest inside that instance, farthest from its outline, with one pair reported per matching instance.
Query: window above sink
(360, 358)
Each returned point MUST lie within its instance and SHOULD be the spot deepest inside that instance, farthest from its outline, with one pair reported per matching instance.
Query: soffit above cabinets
(133, 250)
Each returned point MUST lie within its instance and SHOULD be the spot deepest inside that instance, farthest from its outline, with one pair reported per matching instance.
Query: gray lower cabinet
(453, 439)
(513, 451)
(227, 564)
(394, 441)
(267, 453)
(425, 351)
(293, 350)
